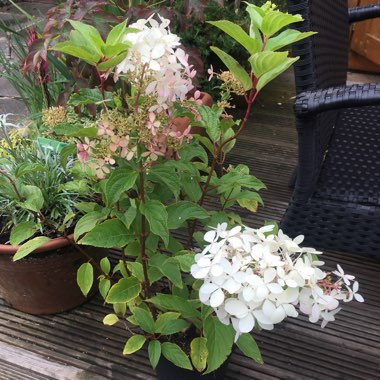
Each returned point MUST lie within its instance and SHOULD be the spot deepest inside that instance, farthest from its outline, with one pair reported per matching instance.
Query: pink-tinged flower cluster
(155, 55)
(160, 75)
(254, 278)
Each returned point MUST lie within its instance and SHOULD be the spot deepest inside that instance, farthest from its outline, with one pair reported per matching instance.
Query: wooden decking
(75, 345)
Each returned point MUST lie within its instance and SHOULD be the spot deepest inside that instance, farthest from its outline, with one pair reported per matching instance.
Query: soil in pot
(44, 282)
(166, 370)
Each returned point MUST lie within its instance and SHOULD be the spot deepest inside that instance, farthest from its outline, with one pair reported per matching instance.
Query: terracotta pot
(45, 281)
(166, 370)
(181, 123)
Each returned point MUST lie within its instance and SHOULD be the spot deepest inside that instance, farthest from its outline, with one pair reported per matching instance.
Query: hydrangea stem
(144, 257)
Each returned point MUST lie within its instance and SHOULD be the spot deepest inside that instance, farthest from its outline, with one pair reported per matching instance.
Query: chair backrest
(324, 57)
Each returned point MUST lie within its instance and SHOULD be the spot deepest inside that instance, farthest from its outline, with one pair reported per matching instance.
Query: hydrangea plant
(147, 156)
(257, 278)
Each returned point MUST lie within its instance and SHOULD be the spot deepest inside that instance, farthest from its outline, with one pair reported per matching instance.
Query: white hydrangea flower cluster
(155, 54)
(254, 278)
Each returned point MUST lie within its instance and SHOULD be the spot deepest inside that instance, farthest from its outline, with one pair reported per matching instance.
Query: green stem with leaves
(143, 235)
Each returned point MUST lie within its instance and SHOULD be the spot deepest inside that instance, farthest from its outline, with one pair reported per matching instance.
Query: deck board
(76, 346)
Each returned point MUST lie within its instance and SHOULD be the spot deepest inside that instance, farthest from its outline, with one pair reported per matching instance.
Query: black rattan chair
(336, 200)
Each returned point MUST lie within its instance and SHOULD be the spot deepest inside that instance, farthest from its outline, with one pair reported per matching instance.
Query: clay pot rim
(56, 243)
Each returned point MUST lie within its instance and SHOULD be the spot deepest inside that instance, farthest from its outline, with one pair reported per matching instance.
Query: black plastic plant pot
(166, 370)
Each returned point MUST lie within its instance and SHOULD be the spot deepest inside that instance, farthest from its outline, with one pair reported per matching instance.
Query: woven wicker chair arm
(312, 102)
(364, 13)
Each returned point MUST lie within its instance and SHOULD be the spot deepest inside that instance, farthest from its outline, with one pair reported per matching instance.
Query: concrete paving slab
(6, 89)
(13, 106)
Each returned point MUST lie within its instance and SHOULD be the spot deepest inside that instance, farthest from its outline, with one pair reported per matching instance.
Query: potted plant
(187, 295)
(40, 203)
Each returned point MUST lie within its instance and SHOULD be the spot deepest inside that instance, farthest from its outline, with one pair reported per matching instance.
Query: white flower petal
(247, 323)
(216, 270)
(231, 286)
(275, 288)
(278, 315)
(208, 288)
(358, 297)
(236, 307)
(269, 275)
(199, 272)
(290, 310)
(268, 308)
(217, 298)
(210, 236)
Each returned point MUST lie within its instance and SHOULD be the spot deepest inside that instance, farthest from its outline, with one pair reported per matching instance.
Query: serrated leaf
(206, 142)
(89, 33)
(136, 270)
(145, 319)
(120, 181)
(22, 232)
(133, 344)
(154, 352)
(234, 66)
(120, 308)
(105, 265)
(129, 216)
(286, 38)
(238, 34)
(154, 275)
(34, 199)
(249, 200)
(112, 62)
(86, 96)
(110, 319)
(175, 354)
(220, 339)
(173, 327)
(199, 353)
(168, 267)
(180, 212)
(210, 120)
(119, 31)
(193, 150)
(157, 216)
(166, 176)
(185, 261)
(88, 222)
(164, 318)
(104, 287)
(249, 347)
(109, 234)
(85, 277)
(86, 207)
(169, 302)
(191, 187)
(125, 290)
(71, 130)
(79, 41)
(275, 21)
(256, 15)
(266, 61)
(110, 51)
(29, 247)
(69, 48)
(269, 76)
